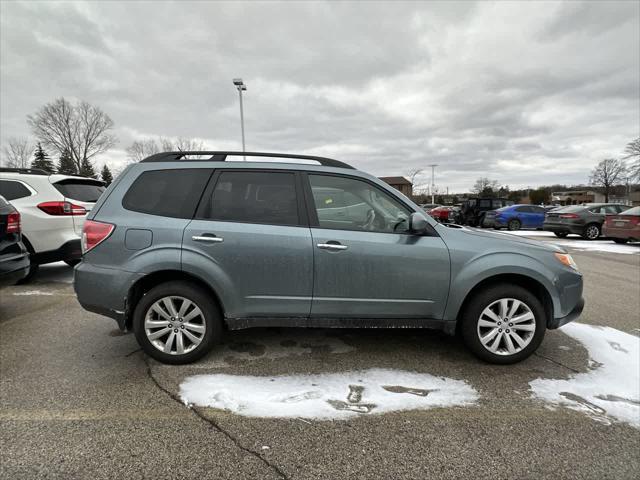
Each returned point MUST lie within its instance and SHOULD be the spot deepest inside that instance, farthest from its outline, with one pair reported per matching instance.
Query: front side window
(253, 197)
(169, 193)
(13, 190)
(351, 204)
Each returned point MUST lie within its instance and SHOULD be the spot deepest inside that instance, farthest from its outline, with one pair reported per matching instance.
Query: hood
(505, 239)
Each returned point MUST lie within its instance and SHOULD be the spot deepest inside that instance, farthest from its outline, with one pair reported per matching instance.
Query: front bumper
(554, 323)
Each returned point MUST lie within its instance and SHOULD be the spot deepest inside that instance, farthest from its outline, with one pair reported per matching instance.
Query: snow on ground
(580, 244)
(33, 292)
(326, 396)
(611, 389)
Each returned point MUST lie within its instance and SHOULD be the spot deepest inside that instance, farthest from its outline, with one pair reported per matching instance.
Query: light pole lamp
(241, 88)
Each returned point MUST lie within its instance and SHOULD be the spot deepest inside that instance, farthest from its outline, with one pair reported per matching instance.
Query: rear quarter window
(12, 190)
(168, 193)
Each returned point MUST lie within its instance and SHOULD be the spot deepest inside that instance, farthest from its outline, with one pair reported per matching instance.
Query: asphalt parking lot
(79, 399)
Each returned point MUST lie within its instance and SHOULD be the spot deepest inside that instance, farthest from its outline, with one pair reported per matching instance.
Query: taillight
(94, 233)
(61, 208)
(569, 215)
(13, 223)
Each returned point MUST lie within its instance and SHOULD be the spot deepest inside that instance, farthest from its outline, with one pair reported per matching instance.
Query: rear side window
(253, 197)
(83, 191)
(13, 190)
(169, 193)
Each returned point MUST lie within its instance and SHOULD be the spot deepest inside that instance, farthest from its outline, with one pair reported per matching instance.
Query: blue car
(515, 217)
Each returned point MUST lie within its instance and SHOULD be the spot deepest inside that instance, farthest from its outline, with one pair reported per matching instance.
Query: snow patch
(326, 396)
(33, 292)
(608, 246)
(611, 390)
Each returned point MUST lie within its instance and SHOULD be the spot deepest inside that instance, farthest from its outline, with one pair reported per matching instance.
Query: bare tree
(413, 174)
(17, 152)
(81, 129)
(141, 149)
(632, 151)
(484, 185)
(607, 174)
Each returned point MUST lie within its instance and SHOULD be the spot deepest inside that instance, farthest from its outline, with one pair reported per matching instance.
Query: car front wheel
(503, 324)
(177, 322)
(514, 225)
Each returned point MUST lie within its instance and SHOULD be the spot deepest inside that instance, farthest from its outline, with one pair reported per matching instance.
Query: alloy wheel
(506, 326)
(592, 232)
(174, 325)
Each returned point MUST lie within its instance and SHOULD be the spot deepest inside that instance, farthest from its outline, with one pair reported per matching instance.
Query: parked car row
(52, 210)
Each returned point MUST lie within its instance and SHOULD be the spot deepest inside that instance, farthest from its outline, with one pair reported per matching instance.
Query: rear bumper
(13, 269)
(554, 323)
(69, 251)
(563, 228)
(627, 233)
(104, 290)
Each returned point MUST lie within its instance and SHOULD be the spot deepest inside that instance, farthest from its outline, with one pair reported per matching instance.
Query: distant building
(577, 197)
(399, 183)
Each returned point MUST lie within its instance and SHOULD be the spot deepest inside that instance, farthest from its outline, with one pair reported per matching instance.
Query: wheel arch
(524, 281)
(146, 283)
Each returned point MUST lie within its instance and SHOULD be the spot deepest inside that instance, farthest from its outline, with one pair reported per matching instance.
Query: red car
(623, 227)
(441, 214)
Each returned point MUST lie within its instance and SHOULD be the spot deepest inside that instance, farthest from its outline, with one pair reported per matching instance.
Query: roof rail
(31, 171)
(222, 156)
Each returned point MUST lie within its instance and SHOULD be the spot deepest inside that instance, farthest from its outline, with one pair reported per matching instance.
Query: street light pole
(241, 88)
(433, 168)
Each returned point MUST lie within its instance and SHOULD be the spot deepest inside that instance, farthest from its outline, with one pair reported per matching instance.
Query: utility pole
(241, 88)
(433, 168)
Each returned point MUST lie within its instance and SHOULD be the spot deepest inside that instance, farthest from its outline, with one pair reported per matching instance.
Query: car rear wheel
(503, 324)
(561, 234)
(591, 231)
(621, 240)
(177, 322)
(514, 224)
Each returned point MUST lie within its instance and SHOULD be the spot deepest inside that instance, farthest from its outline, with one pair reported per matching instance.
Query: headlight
(567, 260)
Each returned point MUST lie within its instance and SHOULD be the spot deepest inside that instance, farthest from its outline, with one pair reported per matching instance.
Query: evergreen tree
(66, 165)
(106, 175)
(86, 169)
(41, 160)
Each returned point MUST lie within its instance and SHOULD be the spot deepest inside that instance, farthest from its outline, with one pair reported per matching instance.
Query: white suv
(53, 209)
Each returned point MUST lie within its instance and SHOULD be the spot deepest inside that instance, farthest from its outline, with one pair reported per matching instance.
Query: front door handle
(207, 238)
(331, 246)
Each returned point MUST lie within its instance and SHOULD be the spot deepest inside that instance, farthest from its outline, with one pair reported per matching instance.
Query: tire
(471, 329)
(209, 320)
(561, 234)
(72, 263)
(33, 271)
(496, 228)
(591, 231)
(621, 240)
(514, 225)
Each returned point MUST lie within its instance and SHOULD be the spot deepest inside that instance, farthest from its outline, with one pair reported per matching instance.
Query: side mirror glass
(417, 223)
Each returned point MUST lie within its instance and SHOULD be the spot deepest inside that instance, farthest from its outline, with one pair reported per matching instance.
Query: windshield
(632, 211)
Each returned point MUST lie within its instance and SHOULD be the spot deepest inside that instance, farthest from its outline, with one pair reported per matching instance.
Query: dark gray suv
(184, 245)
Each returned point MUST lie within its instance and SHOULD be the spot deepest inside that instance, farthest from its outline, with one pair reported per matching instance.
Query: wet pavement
(80, 400)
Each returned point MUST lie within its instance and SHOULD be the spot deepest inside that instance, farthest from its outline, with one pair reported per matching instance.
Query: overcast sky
(525, 93)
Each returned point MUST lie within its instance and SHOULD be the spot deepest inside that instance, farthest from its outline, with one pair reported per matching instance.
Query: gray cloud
(527, 93)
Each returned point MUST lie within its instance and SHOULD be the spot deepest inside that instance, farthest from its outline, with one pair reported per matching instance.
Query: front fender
(473, 272)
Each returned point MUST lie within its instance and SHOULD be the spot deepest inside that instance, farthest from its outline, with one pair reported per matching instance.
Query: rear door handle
(207, 238)
(332, 246)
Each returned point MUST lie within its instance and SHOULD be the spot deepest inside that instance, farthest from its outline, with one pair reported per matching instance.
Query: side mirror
(417, 223)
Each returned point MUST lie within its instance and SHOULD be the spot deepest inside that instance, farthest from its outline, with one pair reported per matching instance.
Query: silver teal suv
(184, 245)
